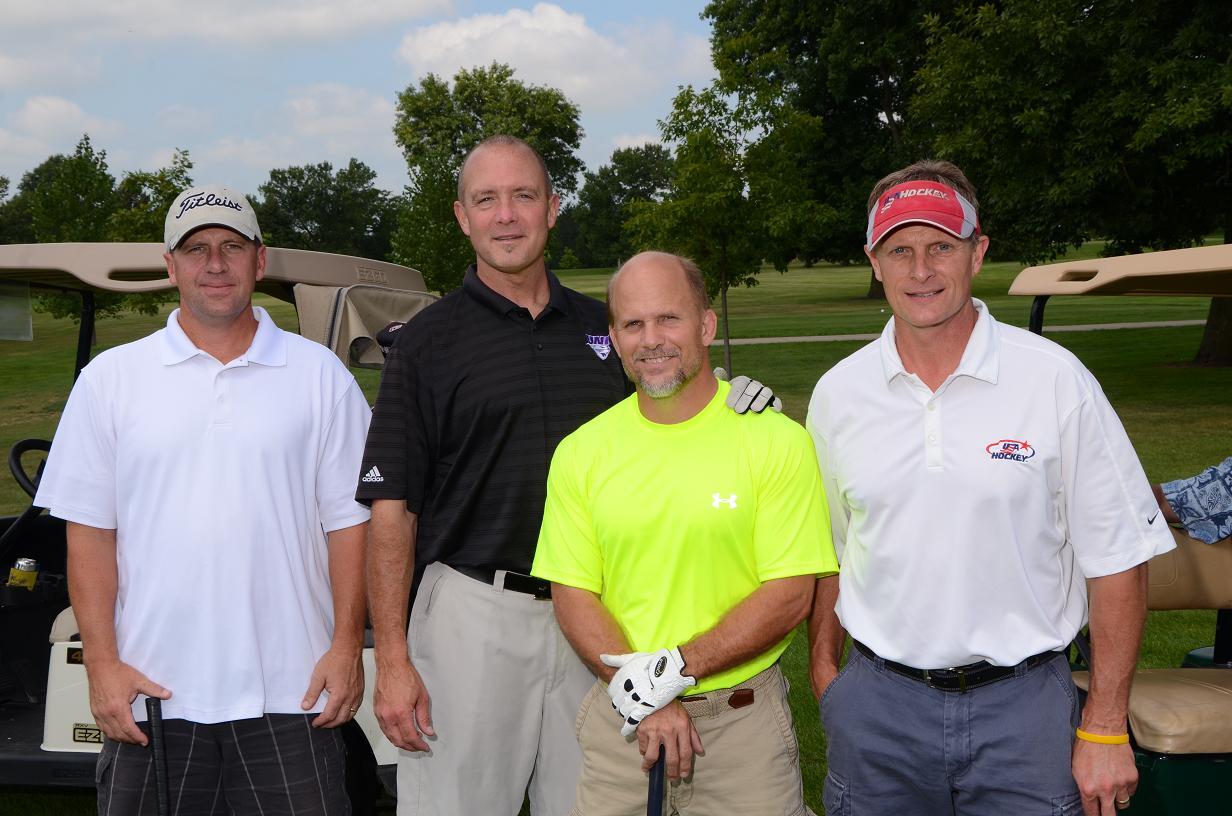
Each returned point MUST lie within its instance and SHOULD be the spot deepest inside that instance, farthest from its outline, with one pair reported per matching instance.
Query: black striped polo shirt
(475, 396)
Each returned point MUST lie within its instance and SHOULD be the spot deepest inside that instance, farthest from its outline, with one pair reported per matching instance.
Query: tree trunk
(1216, 347)
(727, 363)
(875, 290)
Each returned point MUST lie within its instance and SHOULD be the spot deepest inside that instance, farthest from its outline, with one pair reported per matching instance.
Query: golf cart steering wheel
(20, 449)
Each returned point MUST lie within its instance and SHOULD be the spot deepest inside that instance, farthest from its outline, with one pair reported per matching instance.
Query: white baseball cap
(210, 205)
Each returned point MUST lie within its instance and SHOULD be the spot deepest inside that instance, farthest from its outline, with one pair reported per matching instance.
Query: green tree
(437, 125)
(428, 237)
(828, 83)
(707, 215)
(1078, 119)
(312, 207)
(73, 197)
(143, 197)
(15, 227)
(68, 198)
(634, 174)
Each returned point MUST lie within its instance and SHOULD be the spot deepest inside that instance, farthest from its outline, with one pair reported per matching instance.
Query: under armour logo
(730, 501)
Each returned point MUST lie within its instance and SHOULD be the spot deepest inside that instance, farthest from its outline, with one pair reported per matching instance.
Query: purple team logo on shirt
(600, 344)
(1011, 450)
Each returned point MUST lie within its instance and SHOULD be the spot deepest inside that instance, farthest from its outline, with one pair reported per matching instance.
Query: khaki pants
(751, 763)
(505, 688)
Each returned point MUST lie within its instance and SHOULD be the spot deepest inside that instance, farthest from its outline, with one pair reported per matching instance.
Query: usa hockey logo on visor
(600, 344)
(1011, 450)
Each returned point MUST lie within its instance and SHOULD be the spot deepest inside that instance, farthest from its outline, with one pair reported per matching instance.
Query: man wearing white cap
(981, 490)
(215, 548)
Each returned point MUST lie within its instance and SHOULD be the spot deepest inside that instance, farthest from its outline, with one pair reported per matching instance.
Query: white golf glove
(644, 683)
(748, 394)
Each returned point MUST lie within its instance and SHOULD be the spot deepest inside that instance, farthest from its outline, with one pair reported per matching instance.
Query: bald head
(660, 264)
(503, 142)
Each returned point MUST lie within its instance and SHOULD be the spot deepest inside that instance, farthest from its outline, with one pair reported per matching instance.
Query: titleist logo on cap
(206, 200)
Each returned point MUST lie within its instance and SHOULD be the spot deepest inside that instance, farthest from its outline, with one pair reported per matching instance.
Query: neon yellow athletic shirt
(673, 525)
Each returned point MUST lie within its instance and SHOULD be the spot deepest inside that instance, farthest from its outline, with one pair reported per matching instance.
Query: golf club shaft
(154, 710)
(654, 792)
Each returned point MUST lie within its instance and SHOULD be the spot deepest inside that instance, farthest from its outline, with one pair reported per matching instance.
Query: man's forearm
(752, 626)
(826, 633)
(1118, 613)
(346, 578)
(589, 627)
(93, 581)
(391, 567)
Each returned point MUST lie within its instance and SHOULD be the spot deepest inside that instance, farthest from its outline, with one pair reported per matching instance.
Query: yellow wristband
(1102, 739)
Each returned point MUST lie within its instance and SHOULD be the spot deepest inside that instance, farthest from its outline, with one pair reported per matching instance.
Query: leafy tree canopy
(313, 207)
(437, 124)
(642, 173)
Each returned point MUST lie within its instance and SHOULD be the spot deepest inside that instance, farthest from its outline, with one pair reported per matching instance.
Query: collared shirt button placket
(932, 434)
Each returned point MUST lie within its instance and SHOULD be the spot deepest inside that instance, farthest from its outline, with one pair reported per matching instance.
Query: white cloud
(326, 122)
(344, 117)
(550, 46)
(18, 154)
(43, 70)
(220, 20)
(53, 118)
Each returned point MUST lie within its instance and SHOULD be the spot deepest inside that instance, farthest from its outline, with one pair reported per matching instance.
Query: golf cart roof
(1205, 271)
(139, 267)
(342, 301)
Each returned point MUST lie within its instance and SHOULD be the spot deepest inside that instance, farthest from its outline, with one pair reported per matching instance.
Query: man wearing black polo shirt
(477, 391)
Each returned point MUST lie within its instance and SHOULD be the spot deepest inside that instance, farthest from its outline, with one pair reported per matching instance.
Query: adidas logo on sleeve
(373, 475)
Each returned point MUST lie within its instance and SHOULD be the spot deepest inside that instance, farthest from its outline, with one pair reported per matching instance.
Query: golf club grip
(654, 791)
(154, 710)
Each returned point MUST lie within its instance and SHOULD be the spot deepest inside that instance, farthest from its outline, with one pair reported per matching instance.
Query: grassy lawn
(1177, 415)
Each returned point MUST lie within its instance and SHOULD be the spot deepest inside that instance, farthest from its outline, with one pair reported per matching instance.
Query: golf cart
(49, 737)
(1180, 720)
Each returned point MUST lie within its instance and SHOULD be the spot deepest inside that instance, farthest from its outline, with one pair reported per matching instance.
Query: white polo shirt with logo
(221, 482)
(967, 520)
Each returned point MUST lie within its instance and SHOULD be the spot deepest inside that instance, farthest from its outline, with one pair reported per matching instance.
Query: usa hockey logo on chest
(600, 344)
(1011, 450)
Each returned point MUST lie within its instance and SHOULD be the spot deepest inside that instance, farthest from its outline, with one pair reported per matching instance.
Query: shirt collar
(484, 294)
(268, 347)
(979, 359)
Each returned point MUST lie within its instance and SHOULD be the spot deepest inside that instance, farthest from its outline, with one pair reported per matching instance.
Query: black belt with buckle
(514, 581)
(958, 678)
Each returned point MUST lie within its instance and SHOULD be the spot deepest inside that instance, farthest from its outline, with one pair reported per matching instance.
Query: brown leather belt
(513, 581)
(958, 678)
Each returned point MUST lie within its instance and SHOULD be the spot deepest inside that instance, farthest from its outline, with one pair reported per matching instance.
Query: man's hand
(340, 673)
(748, 394)
(645, 682)
(672, 728)
(402, 706)
(821, 676)
(113, 687)
(1105, 774)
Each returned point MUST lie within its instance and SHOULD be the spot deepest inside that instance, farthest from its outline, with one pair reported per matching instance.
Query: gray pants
(506, 688)
(896, 746)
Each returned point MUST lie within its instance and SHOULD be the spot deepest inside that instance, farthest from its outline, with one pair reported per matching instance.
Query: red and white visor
(921, 202)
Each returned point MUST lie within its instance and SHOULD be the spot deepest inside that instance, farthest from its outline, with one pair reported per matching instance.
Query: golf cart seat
(1186, 710)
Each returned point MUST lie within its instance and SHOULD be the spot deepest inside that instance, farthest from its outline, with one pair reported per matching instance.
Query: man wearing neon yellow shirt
(682, 542)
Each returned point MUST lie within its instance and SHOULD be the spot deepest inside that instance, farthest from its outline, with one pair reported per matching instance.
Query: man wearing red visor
(986, 503)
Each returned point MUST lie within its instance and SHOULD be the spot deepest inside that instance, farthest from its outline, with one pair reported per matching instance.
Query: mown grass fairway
(1178, 416)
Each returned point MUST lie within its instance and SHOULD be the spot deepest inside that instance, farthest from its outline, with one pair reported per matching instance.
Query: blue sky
(248, 86)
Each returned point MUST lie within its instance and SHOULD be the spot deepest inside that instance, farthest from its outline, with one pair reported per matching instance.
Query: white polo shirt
(967, 520)
(221, 482)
